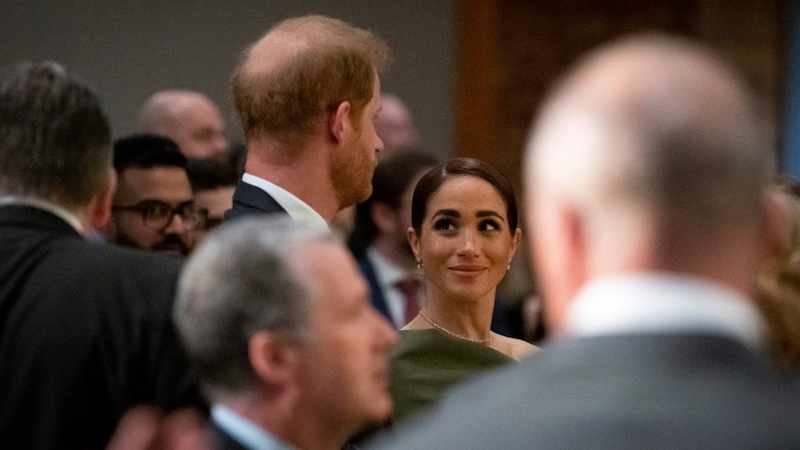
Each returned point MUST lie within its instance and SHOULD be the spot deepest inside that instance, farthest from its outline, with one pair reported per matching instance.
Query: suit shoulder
(112, 267)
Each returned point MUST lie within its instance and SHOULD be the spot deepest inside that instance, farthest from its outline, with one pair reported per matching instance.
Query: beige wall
(131, 49)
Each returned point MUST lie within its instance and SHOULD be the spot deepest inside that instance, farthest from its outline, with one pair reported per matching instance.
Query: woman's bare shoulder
(513, 347)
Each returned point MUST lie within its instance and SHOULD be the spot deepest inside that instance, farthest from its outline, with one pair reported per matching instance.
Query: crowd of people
(330, 284)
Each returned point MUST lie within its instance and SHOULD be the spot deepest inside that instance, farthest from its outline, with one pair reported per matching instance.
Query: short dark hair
(55, 139)
(435, 178)
(392, 177)
(145, 151)
(206, 174)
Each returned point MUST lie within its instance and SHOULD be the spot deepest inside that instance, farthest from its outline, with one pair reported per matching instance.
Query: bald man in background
(645, 176)
(395, 125)
(190, 119)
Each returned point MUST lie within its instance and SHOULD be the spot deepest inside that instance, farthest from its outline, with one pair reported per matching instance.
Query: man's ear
(559, 253)
(100, 208)
(272, 357)
(577, 244)
(339, 122)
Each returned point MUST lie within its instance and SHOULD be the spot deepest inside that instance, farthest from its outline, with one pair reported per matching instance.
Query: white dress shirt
(662, 302)
(298, 210)
(245, 432)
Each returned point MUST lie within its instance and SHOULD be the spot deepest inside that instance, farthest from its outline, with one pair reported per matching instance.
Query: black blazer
(85, 333)
(221, 440)
(375, 291)
(249, 200)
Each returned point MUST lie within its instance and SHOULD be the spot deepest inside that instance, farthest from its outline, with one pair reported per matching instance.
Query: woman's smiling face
(465, 242)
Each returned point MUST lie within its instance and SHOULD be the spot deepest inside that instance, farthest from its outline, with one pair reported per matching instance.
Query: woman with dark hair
(464, 234)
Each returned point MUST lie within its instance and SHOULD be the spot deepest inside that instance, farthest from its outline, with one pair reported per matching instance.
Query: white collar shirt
(245, 432)
(663, 303)
(297, 209)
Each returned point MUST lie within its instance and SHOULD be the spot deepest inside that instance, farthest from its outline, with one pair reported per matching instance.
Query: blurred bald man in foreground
(190, 119)
(645, 173)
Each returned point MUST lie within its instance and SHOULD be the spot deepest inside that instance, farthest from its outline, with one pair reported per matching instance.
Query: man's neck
(282, 419)
(307, 176)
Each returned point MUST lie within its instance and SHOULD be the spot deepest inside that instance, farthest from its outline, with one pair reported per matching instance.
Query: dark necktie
(409, 287)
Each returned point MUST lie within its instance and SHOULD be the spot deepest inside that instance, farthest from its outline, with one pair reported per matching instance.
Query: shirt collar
(245, 432)
(661, 302)
(298, 210)
(59, 211)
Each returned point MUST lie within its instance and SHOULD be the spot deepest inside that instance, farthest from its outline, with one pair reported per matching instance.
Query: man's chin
(381, 408)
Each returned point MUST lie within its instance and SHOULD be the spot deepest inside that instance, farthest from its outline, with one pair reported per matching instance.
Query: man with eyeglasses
(153, 207)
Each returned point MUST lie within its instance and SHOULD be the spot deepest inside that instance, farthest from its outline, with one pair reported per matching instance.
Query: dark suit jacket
(620, 392)
(85, 333)
(221, 440)
(375, 291)
(249, 200)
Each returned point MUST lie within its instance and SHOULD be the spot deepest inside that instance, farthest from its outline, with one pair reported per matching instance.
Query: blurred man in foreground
(645, 174)
(278, 323)
(85, 329)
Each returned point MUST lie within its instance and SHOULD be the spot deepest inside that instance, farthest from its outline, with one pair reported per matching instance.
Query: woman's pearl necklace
(450, 333)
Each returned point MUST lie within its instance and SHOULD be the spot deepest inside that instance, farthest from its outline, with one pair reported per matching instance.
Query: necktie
(409, 287)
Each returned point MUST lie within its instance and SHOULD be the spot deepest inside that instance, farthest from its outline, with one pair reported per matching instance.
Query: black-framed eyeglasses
(158, 214)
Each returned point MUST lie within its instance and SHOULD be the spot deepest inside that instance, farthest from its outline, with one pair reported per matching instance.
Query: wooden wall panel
(509, 52)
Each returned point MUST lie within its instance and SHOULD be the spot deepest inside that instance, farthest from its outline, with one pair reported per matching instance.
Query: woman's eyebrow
(447, 212)
(490, 213)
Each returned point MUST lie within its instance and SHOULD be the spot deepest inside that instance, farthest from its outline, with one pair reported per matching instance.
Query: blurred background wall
(523, 46)
(130, 49)
(509, 52)
(472, 71)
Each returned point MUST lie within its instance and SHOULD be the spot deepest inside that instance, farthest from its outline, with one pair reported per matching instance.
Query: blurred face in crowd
(198, 129)
(464, 242)
(216, 202)
(395, 125)
(154, 210)
(344, 369)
